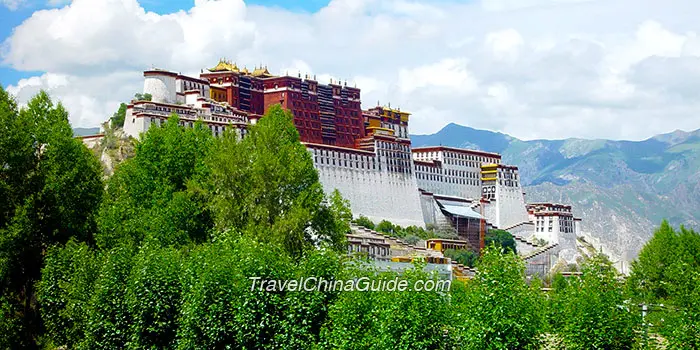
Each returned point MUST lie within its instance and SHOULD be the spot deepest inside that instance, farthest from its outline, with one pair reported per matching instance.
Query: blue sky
(12, 18)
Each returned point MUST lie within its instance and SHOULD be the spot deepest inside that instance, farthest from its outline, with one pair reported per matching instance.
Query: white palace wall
(510, 203)
(374, 193)
(162, 87)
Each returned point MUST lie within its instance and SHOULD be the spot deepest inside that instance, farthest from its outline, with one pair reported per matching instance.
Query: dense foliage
(50, 186)
(465, 257)
(501, 238)
(266, 185)
(162, 256)
(592, 312)
(387, 319)
(498, 310)
(158, 193)
(666, 277)
(117, 120)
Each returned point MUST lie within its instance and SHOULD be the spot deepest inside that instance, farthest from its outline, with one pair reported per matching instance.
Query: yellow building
(394, 114)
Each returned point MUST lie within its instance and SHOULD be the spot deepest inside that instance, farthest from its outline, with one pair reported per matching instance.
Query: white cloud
(90, 100)
(509, 5)
(505, 44)
(531, 68)
(12, 4)
(450, 74)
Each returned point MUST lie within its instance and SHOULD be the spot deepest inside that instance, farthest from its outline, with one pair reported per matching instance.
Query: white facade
(510, 206)
(380, 187)
(555, 223)
(170, 87)
(141, 115)
(451, 171)
(161, 86)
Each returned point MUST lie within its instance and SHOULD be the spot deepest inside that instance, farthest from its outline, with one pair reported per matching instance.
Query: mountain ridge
(622, 189)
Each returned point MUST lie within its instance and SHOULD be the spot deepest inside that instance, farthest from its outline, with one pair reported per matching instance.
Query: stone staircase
(539, 252)
(526, 242)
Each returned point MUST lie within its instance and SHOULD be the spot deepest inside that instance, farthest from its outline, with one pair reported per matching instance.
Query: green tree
(385, 319)
(667, 272)
(463, 256)
(65, 291)
(222, 308)
(266, 185)
(680, 323)
(158, 192)
(153, 297)
(593, 311)
(649, 276)
(498, 309)
(501, 238)
(50, 184)
(143, 97)
(386, 227)
(333, 217)
(119, 116)
(365, 222)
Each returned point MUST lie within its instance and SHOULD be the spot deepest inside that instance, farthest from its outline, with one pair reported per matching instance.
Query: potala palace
(367, 156)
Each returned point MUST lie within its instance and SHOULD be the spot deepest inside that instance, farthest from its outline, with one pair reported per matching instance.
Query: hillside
(622, 189)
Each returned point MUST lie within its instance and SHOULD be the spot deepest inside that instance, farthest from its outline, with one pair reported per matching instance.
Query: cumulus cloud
(89, 99)
(531, 68)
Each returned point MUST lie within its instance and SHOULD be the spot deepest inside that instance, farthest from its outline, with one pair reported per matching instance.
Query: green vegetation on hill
(117, 119)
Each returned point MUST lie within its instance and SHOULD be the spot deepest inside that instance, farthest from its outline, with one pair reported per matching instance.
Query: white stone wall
(377, 194)
(567, 246)
(523, 230)
(161, 87)
(428, 204)
(458, 174)
(135, 126)
(449, 180)
(542, 228)
(191, 99)
(491, 212)
(511, 206)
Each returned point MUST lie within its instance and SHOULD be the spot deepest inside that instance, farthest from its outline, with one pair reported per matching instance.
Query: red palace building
(329, 114)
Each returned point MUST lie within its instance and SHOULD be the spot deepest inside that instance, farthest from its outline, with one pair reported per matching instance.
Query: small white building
(555, 223)
(141, 115)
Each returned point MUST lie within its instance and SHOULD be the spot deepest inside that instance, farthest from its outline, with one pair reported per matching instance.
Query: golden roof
(261, 72)
(224, 66)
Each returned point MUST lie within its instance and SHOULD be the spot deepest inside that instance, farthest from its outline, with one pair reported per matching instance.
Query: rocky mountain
(85, 131)
(621, 189)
